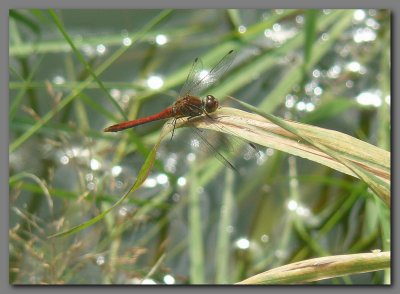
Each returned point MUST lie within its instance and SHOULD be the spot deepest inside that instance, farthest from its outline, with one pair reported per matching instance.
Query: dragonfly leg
(192, 117)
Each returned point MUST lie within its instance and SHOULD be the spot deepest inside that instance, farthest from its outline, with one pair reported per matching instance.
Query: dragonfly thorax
(210, 104)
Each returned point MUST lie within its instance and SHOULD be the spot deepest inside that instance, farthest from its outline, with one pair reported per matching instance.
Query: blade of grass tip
(155, 267)
(196, 232)
(223, 244)
(81, 58)
(75, 92)
(381, 188)
(309, 37)
(142, 175)
(234, 17)
(321, 268)
(41, 183)
(310, 33)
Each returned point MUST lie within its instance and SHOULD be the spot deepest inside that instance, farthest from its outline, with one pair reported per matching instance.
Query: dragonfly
(189, 105)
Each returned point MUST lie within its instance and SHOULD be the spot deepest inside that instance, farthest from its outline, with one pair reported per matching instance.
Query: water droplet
(191, 157)
(324, 37)
(115, 93)
(276, 27)
(148, 282)
(162, 179)
(58, 80)
(195, 143)
(369, 98)
(292, 205)
(310, 106)
(101, 49)
(300, 19)
(100, 260)
(359, 15)
(290, 101)
(161, 39)
(89, 177)
(155, 82)
(64, 159)
(264, 238)
(301, 105)
(116, 170)
(364, 35)
(242, 29)
(181, 181)
(243, 243)
(126, 41)
(317, 91)
(88, 50)
(150, 183)
(303, 211)
(91, 186)
(270, 151)
(168, 279)
(372, 23)
(349, 84)
(95, 164)
(123, 211)
(176, 197)
(316, 73)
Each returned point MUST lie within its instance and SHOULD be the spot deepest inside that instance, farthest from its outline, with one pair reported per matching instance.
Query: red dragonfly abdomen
(166, 113)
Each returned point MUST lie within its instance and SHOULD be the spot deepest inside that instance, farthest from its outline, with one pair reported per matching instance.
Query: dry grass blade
(322, 268)
(331, 148)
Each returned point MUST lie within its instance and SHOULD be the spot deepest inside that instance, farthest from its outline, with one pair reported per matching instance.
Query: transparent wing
(196, 82)
(225, 147)
(214, 151)
(192, 78)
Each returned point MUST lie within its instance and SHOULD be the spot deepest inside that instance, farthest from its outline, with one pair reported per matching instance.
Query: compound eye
(211, 104)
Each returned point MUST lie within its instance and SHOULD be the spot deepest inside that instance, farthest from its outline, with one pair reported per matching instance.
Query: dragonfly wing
(203, 82)
(192, 78)
(213, 150)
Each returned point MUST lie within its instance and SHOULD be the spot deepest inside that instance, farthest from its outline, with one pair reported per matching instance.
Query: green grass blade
(309, 36)
(223, 243)
(195, 236)
(18, 99)
(64, 102)
(84, 62)
(142, 175)
(25, 20)
(342, 20)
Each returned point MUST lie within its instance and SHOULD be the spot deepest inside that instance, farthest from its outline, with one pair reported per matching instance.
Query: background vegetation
(74, 72)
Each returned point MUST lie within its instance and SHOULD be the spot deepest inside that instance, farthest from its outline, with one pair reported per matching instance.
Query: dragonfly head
(210, 103)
